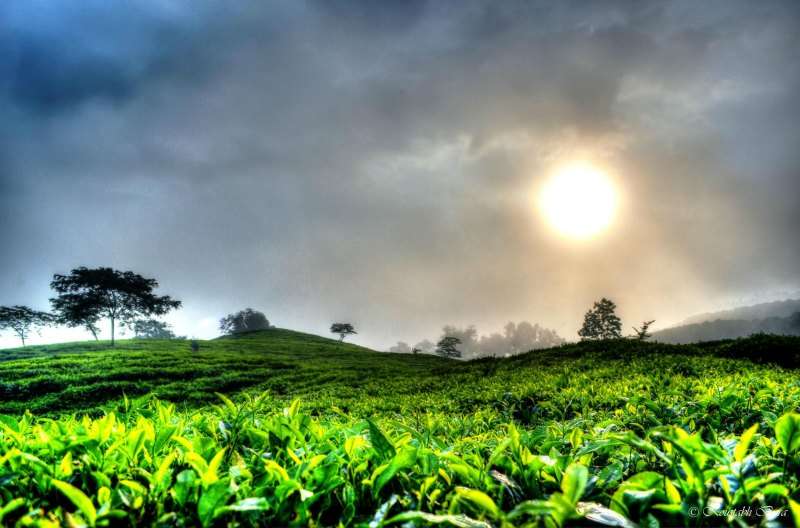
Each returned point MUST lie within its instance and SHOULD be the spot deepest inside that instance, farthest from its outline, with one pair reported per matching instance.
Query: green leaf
(210, 476)
(775, 489)
(65, 467)
(163, 436)
(795, 509)
(162, 477)
(537, 508)
(787, 432)
(228, 403)
(10, 422)
(249, 504)
(79, 499)
(459, 521)
(744, 443)
(185, 484)
(384, 448)
(213, 498)
(11, 506)
(673, 495)
(479, 499)
(602, 515)
(573, 484)
(405, 459)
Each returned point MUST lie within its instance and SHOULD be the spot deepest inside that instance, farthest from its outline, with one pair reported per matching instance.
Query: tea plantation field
(309, 432)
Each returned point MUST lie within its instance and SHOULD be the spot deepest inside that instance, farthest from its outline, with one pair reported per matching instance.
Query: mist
(379, 163)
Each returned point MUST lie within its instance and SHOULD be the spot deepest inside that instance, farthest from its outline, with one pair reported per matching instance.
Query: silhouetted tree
(467, 338)
(119, 296)
(601, 322)
(22, 320)
(152, 329)
(641, 333)
(343, 329)
(446, 347)
(246, 320)
(78, 309)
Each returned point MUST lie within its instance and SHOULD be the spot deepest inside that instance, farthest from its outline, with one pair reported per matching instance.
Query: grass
(321, 433)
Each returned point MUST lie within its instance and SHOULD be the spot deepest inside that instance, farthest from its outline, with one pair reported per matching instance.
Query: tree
(467, 337)
(641, 333)
(119, 296)
(78, 309)
(343, 329)
(401, 348)
(247, 320)
(21, 320)
(446, 347)
(601, 322)
(152, 329)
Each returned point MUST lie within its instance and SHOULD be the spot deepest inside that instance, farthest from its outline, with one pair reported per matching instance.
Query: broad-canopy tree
(22, 320)
(245, 320)
(78, 309)
(152, 329)
(87, 295)
(601, 322)
(447, 347)
(343, 329)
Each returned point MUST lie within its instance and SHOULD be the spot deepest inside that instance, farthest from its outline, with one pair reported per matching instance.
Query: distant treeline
(729, 329)
(515, 339)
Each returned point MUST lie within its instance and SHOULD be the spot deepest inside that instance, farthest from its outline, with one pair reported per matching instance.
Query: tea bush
(614, 434)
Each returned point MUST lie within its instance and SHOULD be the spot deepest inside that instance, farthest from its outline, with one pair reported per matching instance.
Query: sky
(379, 162)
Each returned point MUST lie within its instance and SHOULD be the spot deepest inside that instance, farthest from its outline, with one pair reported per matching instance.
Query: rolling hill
(317, 433)
(729, 329)
(766, 310)
(85, 375)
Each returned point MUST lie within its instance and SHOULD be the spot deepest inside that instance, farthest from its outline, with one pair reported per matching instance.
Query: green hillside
(618, 433)
(84, 376)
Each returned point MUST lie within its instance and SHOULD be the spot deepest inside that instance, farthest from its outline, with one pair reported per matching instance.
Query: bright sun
(579, 201)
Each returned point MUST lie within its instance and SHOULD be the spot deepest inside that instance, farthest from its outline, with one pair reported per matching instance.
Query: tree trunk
(23, 340)
(112, 330)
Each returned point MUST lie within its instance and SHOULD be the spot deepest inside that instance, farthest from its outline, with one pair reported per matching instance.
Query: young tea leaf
(79, 499)
(787, 432)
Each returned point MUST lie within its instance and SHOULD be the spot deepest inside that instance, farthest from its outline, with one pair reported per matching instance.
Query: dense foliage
(88, 294)
(614, 433)
(601, 321)
(247, 320)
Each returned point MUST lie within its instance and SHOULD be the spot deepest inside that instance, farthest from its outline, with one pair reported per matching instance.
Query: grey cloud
(375, 161)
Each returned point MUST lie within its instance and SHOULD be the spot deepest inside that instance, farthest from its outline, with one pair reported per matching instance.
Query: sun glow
(578, 201)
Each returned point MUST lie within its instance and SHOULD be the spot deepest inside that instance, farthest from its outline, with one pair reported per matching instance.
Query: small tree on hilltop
(246, 320)
(343, 329)
(641, 333)
(601, 322)
(447, 347)
(87, 295)
(22, 320)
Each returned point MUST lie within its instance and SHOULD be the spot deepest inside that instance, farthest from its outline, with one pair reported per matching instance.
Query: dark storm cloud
(376, 161)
